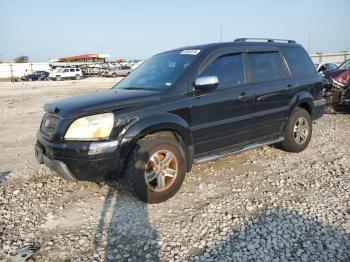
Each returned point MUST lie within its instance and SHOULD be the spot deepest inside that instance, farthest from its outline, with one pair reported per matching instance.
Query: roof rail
(271, 40)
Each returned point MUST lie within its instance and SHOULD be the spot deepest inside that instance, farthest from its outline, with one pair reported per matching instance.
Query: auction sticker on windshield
(190, 52)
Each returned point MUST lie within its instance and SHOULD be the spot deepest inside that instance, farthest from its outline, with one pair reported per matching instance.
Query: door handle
(289, 86)
(243, 96)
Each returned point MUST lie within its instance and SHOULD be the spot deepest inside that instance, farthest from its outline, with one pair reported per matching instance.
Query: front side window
(298, 61)
(266, 66)
(228, 68)
(65, 71)
(160, 71)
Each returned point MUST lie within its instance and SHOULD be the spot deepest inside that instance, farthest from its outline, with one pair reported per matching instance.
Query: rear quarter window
(298, 61)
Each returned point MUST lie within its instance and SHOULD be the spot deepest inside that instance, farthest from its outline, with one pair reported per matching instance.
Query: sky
(133, 29)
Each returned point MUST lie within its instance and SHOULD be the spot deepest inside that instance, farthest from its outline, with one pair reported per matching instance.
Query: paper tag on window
(190, 52)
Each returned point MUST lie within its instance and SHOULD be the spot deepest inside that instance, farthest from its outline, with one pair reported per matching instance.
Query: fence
(16, 70)
(336, 58)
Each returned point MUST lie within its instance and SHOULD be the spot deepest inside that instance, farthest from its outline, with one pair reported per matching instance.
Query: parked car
(326, 66)
(66, 73)
(117, 71)
(337, 90)
(36, 75)
(184, 106)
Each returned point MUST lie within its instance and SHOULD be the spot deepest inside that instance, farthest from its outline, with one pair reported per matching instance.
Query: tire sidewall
(289, 143)
(142, 153)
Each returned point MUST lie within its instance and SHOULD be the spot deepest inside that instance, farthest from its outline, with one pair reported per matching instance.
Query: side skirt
(224, 153)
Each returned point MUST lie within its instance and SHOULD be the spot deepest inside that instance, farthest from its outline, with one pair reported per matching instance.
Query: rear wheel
(298, 131)
(156, 168)
(77, 77)
(114, 75)
(58, 78)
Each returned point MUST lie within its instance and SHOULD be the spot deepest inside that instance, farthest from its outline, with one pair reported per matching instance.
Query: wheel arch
(302, 99)
(164, 124)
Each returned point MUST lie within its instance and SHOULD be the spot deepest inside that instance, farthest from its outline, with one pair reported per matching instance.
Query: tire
(142, 161)
(58, 78)
(298, 132)
(77, 77)
(114, 75)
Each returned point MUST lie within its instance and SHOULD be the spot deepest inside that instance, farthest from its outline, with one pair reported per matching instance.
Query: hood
(109, 100)
(341, 76)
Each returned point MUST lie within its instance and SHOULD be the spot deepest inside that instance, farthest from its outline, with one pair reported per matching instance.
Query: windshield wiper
(134, 88)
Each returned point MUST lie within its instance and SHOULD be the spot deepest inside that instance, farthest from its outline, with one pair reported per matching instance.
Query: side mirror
(206, 83)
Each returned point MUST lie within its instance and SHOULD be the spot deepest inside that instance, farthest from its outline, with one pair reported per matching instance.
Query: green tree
(22, 59)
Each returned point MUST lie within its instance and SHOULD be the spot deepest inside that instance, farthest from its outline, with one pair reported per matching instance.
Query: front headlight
(91, 127)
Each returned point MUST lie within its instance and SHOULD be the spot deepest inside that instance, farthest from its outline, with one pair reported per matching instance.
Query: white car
(66, 73)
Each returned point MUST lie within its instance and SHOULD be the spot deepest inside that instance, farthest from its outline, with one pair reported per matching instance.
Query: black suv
(184, 106)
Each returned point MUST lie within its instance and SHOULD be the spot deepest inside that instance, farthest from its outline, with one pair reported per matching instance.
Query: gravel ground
(264, 205)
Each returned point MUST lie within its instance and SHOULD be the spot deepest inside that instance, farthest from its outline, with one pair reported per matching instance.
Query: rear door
(221, 117)
(65, 73)
(72, 72)
(270, 82)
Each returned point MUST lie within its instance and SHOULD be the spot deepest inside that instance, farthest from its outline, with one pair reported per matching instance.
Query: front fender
(161, 122)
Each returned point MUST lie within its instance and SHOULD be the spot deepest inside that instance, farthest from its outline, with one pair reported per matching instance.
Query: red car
(337, 89)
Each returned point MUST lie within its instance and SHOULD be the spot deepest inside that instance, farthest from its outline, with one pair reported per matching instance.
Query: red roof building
(85, 58)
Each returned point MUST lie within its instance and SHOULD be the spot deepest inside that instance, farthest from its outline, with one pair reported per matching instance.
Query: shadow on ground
(281, 235)
(277, 234)
(125, 221)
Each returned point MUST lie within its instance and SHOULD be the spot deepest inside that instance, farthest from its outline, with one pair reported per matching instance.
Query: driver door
(222, 117)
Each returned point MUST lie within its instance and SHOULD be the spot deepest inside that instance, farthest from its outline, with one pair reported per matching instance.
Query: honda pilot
(184, 106)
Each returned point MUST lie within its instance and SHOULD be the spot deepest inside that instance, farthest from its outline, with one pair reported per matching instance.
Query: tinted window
(298, 61)
(65, 70)
(72, 70)
(229, 69)
(77, 69)
(266, 67)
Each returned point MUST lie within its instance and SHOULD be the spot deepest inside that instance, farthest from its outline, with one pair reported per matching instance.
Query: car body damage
(337, 87)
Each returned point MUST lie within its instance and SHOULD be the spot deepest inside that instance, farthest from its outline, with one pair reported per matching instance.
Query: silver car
(117, 71)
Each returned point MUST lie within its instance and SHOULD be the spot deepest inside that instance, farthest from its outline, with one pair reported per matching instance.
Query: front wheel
(156, 168)
(58, 78)
(298, 131)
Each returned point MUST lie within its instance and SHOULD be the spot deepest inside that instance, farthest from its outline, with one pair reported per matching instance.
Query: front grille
(49, 124)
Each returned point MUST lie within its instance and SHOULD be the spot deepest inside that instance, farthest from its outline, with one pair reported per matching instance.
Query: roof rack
(270, 40)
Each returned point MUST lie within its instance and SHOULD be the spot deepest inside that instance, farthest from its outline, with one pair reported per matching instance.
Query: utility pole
(308, 49)
(220, 33)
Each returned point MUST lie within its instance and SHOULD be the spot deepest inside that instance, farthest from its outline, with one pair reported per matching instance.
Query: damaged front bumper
(79, 160)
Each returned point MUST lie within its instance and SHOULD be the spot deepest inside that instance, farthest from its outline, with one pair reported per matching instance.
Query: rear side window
(299, 62)
(78, 70)
(229, 69)
(72, 70)
(266, 66)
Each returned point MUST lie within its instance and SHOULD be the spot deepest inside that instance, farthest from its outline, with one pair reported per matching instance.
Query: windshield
(345, 65)
(160, 71)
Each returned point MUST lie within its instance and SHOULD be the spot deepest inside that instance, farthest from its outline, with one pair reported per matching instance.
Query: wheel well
(306, 106)
(176, 135)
